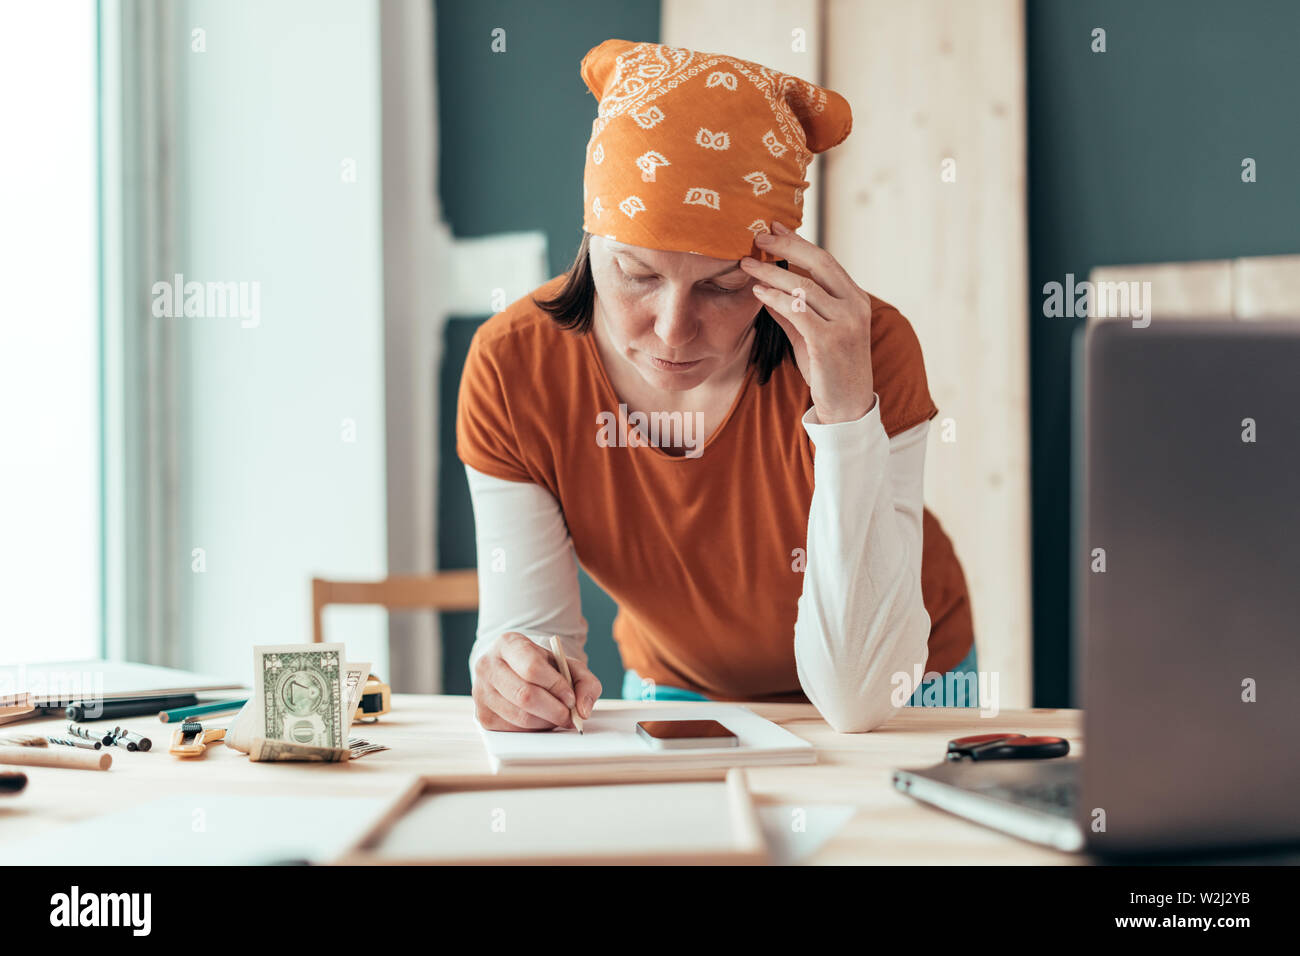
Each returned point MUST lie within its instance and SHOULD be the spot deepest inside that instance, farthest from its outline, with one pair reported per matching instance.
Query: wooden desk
(437, 735)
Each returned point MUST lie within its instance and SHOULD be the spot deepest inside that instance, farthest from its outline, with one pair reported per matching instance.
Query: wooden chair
(444, 591)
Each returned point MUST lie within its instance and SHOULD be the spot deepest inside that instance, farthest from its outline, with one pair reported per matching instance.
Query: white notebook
(609, 741)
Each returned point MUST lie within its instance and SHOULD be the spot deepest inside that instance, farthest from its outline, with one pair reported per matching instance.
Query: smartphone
(685, 734)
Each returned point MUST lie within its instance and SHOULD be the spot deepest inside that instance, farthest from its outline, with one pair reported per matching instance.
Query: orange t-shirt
(697, 551)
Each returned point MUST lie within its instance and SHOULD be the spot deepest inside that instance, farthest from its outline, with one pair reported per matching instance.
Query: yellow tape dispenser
(376, 700)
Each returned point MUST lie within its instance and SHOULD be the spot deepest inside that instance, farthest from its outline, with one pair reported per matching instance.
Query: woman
(734, 450)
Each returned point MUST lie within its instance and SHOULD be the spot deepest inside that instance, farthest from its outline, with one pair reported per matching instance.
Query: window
(49, 334)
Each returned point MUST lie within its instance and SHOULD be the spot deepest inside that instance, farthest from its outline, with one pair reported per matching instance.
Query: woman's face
(676, 317)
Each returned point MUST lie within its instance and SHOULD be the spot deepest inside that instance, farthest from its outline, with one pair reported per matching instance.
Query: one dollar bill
(263, 749)
(299, 692)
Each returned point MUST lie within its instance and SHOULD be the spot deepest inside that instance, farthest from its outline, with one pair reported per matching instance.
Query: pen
(563, 663)
(202, 710)
(126, 706)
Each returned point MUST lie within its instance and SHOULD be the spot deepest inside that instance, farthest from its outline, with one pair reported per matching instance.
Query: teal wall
(513, 129)
(1135, 156)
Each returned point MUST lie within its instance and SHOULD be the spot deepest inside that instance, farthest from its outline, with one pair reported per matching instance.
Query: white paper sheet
(609, 740)
(204, 829)
(630, 819)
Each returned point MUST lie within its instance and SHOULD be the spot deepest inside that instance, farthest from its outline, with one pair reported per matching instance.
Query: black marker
(127, 706)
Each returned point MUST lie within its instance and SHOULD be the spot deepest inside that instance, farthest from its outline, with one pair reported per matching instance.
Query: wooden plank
(1252, 287)
(931, 82)
(1178, 290)
(1265, 287)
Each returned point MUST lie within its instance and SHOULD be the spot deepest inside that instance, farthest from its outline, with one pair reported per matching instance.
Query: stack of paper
(610, 741)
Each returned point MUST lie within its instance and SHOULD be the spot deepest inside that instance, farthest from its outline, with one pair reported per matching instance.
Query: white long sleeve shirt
(861, 618)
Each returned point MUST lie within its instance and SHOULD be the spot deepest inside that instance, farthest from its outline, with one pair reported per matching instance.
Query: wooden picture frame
(747, 846)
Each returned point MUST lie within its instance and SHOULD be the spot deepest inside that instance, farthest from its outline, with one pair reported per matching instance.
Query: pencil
(201, 710)
(563, 663)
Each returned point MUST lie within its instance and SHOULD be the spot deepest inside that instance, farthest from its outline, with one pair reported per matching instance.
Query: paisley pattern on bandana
(700, 151)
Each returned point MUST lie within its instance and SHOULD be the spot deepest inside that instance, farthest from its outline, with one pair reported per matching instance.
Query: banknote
(263, 749)
(298, 694)
(354, 683)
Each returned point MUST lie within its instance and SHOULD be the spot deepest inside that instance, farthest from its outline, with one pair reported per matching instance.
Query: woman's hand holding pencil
(520, 685)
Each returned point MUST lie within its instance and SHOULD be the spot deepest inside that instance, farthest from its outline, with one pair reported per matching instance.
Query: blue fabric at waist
(961, 684)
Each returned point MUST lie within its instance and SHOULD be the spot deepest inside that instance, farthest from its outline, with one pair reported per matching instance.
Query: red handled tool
(1007, 747)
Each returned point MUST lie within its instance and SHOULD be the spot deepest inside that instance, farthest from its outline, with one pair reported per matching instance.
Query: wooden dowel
(67, 757)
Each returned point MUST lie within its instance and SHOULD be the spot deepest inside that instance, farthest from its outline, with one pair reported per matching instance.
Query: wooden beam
(940, 86)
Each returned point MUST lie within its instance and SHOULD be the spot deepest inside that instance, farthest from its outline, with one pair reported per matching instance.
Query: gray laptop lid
(1200, 597)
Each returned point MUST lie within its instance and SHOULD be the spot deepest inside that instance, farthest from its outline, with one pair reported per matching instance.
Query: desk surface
(437, 735)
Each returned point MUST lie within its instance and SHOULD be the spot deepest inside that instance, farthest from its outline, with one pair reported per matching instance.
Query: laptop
(1188, 643)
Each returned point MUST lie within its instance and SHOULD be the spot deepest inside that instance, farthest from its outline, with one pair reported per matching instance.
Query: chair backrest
(444, 591)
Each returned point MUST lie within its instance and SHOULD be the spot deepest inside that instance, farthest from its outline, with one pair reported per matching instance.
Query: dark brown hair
(573, 309)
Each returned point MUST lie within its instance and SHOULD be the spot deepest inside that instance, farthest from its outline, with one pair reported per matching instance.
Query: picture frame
(733, 820)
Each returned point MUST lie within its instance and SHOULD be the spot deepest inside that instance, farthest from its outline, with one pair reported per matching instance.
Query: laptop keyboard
(1058, 799)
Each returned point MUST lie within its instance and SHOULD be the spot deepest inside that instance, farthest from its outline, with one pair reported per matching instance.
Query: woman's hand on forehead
(827, 317)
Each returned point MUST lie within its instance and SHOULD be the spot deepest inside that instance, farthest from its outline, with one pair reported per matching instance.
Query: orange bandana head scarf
(699, 152)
